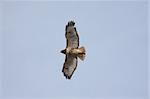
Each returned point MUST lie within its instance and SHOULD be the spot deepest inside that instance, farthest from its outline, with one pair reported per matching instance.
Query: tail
(82, 53)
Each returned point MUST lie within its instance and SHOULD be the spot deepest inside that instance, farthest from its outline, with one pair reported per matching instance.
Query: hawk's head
(63, 51)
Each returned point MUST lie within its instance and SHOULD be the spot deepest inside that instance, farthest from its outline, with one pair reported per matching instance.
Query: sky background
(113, 33)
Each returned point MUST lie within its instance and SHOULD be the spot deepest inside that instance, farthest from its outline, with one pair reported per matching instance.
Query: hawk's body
(72, 51)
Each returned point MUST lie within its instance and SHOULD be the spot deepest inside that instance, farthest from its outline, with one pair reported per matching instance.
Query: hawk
(72, 50)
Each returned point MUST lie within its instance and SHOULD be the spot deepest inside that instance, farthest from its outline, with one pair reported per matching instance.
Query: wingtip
(71, 23)
(67, 77)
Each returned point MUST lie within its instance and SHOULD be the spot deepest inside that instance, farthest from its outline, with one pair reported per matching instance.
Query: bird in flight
(72, 50)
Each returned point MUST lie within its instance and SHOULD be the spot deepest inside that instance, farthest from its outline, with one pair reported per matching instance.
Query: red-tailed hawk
(72, 50)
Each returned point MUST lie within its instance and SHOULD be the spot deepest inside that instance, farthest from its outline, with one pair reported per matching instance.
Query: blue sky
(113, 33)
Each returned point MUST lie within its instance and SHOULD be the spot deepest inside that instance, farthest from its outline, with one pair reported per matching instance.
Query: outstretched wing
(72, 37)
(69, 66)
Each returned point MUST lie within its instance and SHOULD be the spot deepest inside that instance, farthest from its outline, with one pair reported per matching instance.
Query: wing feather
(72, 37)
(70, 66)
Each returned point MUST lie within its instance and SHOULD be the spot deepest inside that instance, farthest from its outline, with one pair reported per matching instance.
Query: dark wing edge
(66, 36)
(66, 68)
(77, 35)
